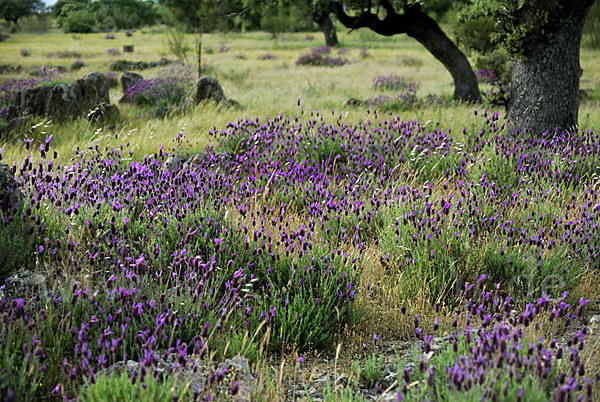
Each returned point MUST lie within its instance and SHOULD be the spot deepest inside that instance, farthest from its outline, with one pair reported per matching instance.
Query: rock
(103, 113)
(92, 90)
(129, 79)
(173, 162)
(595, 324)
(32, 101)
(208, 88)
(13, 124)
(8, 69)
(196, 373)
(10, 194)
(353, 102)
(62, 101)
(23, 282)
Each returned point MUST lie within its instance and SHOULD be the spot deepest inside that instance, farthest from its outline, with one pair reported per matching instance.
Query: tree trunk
(416, 24)
(328, 29)
(545, 81)
(429, 34)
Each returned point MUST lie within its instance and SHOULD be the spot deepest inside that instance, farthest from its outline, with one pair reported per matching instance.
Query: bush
(591, 29)
(495, 69)
(77, 65)
(16, 246)
(79, 21)
(25, 52)
(177, 44)
(123, 388)
(267, 56)
(64, 54)
(319, 56)
(474, 33)
(172, 87)
(395, 82)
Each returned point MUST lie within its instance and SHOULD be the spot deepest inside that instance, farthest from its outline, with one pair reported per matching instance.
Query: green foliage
(474, 32)
(83, 16)
(372, 373)
(20, 367)
(16, 246)
(441, 388)
(13, 10)
(177, 44)
(307, 300)
(119, 388)
(238, 343)
(591, 29)
(274, 23)
(77, 21)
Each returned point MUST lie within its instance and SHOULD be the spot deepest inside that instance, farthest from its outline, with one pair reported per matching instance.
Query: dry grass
(263, 87)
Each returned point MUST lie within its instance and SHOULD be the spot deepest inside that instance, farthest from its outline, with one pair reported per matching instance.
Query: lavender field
(349, 254)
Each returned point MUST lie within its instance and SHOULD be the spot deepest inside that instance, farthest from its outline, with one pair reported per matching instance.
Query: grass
(333, 233)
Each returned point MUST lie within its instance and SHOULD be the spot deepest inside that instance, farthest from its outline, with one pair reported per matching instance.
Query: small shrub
(3, 37)
(267, 56)
(16, 246)
(80, 21)
(364, 53)
(372, 373)
(172, 87)
(177, 44)
(495, 70)
(109, 36)
(124, 388)
(64, 54)
(343, 50)
(319, 56)
(25, 52)
(309, 38)
(411, 62)
(113, 51)
(224, 49)
(321, 50)
(395, 82)
(128, 33)
(77, 65)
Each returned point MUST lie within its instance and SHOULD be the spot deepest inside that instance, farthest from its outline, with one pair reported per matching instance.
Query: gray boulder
(10, 194)
(63, 101)
(195, 374)
(91, 90)
(208, 88)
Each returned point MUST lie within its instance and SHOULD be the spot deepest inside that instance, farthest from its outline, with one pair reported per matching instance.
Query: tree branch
(392, 24)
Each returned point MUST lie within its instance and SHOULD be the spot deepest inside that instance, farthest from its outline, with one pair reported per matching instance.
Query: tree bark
(328, 29)
(418, 25)
(545, 78)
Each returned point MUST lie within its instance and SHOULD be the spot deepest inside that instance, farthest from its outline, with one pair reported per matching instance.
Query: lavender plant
(268, 232)
(319, 56)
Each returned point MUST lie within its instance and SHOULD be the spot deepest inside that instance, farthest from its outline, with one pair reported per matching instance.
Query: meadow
(410, 249)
